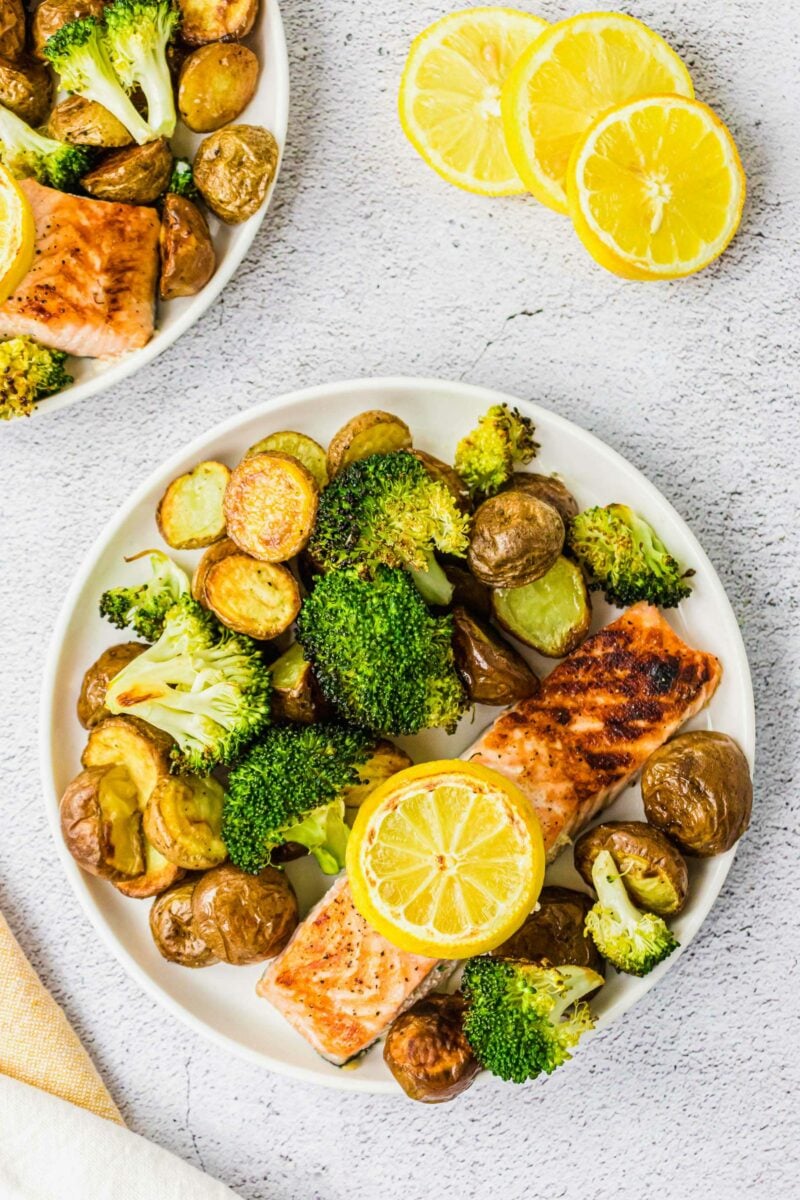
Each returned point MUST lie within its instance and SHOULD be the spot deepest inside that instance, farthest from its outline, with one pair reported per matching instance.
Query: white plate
(270, 108)
(220, 1001)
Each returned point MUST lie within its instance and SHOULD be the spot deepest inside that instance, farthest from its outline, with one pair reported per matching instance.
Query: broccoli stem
(432, 583)
(121, 106)
(611, 891)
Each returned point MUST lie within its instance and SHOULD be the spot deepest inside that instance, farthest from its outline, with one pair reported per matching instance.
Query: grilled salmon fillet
(91, 289)
(571, 749)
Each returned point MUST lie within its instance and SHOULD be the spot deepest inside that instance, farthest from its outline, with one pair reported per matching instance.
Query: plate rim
(349, 1081)
(130, 363)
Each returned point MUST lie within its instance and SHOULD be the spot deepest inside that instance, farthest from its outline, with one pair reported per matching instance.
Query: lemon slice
(446, 859)
(656, 188)
(17, 235)
(450, 95)
(575, 71)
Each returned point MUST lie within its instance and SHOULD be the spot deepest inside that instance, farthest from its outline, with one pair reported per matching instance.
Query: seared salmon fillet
(571, 749)
(91, 289)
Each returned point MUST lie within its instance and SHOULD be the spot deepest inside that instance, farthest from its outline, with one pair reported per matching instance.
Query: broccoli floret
(144, 606)
(79, 54)
(181, 181)
(26, 152)
(381, 658)
(387, 509)
(631, 940)
(289, 789)
(485, 458)
(205, 686)
(622, 556)
(28, 372)
(137, 35)
(516, 1019)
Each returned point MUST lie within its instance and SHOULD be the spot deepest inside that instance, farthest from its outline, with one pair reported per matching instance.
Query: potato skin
(217, 82)
(188, 258)
(216, 20)
(548, 488)
(50, 15)
(469, 592)
(135, 175)
(12, 29)
(427, 1052)
(233, 169)
(697, 790)
(244, 918)
(371, 432)
(555, 931)
(492, 671)
(174, 930)
(26, 87)
(86, 123)
(82, 824)
(91, 707)
(655, 871)
(516, 538)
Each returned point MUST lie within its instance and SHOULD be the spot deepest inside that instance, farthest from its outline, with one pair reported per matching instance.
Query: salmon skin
(91, 289)
(571, 749)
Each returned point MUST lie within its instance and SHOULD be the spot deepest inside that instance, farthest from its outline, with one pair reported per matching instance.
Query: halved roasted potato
(295, 694)
(12, 28)
(26, 87)
(134, 175)
(212, 555)
(50, 15)
(468, 591)
(91, 706)
(654, 870)
(188, 258)
(174, 930)
(301, 447)
(552, 614)
(86, 123)
(492, 671)
(258, 598)
(216, 20)
(183, 821)
(270, 506)
(102, 824)
(386, 760)
(373, 432)
(244, 918)
(189, 514)
(126, 741)
(159, 874)
(442, 472)
(217, 82)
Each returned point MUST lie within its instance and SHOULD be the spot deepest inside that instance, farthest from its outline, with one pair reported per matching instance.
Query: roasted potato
(442, 472)
(233, 169)
(212, 555)
(12, 28)
(270, 506)
(135, 175)
(516, 538)
(427, 1052)
(101, 823)
(50, 15)
(217, 82)
(492, 671)
(86, 123)
(386, 760)
(555, 931)
(301, 447)
(655, 871)
(189, 514)
(295, 693)
(174, 930)
(183, 821)
(26, 87)
(188, 258)
(697, 790)
(552, 615)
(468, 592)
(91, 706)
(548, 488)
(373, 432)
(216, 20)
(260, 599)
(244, 918)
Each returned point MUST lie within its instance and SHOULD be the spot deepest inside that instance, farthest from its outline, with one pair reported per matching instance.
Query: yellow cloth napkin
(37, 1044)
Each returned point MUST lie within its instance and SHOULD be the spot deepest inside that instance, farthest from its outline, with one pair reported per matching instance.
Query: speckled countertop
(367, 264)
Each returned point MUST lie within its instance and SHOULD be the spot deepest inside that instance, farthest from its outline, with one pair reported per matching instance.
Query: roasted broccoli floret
(631, 940)
(623, 557)
(485, 458)
(381, 658)
(289, 789)
(137, 35)
(181, 181)
(78, 52)
(144, 606)
(387, 509)
(205, 686)
(516, 1019)
(28, 372)
(26, 152)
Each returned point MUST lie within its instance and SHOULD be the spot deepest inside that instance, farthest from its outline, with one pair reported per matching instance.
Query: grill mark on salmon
(91, 289)
(571, 749)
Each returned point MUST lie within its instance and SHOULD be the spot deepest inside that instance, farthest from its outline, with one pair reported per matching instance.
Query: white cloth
(53, 1150)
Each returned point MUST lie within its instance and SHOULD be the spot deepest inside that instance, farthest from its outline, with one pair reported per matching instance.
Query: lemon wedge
(450, 95)
(17, 234)
(446, 859)
(573, 72)
(656, 188)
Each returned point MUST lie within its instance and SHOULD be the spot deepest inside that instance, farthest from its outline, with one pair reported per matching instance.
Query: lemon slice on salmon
(446, 859)
(17, 234)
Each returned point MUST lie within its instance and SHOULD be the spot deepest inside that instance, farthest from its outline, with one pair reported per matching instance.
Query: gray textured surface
(369, 265)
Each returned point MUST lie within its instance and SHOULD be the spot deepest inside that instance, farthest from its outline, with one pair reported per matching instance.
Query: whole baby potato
(26, 87)
(244, 918)
(174, 929)
(516, 538)
(188, 259)
(427, 1052)
(697, 790)
(135, 175)
(12, 28)
(86, 123)
(91, 705)
(217, 82)
(555, 931)
(233, 169)
(50, 15)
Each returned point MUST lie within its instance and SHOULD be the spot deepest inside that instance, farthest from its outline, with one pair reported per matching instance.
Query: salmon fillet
(571, 749)
(91, 289)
